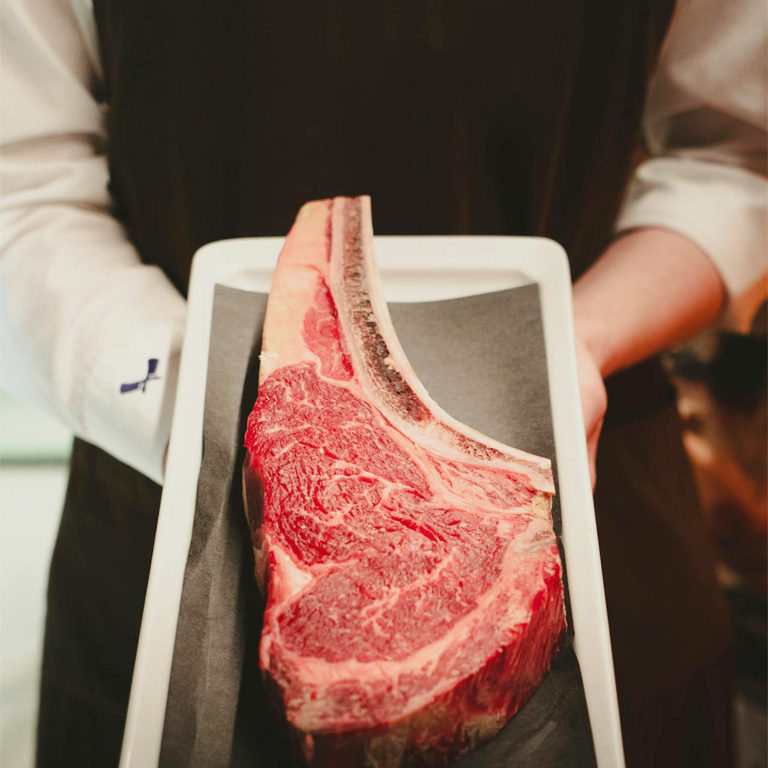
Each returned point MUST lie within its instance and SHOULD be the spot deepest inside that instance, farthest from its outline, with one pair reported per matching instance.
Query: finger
(592, 442)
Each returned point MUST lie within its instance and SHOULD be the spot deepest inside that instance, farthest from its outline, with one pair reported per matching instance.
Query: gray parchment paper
(482, 359)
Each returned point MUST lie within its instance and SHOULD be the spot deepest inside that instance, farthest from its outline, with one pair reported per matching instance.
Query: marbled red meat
(413, 581)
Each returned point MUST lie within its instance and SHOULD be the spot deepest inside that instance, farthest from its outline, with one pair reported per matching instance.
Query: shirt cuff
(129, 390)
(721, 208)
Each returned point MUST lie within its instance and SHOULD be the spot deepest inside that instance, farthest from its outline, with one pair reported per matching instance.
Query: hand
(594, 401)
(650, 289)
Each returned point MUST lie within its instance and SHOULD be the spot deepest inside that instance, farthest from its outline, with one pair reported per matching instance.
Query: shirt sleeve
(82, 318)
(705, 129)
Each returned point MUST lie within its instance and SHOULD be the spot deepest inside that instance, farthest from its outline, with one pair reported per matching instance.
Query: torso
(517, 118)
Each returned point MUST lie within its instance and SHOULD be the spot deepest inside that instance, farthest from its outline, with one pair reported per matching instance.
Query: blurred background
(34, 450)
(721, 383)
(722, 392)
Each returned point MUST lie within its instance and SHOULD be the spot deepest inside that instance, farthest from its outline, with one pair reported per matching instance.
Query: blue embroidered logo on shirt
(142, 385)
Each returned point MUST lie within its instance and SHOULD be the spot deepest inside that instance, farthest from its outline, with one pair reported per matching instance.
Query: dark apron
(516, 118)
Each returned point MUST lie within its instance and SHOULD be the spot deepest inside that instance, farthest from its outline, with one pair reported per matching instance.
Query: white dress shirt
(82, 316)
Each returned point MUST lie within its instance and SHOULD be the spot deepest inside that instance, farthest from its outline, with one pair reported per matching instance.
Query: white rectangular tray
(412, 269)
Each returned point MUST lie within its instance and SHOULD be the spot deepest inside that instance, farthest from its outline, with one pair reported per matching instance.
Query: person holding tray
(133, 133)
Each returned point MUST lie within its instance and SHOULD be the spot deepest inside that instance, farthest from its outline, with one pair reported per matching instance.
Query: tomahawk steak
(412, 574)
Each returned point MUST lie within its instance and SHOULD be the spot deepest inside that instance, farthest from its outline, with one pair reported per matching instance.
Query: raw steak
(415, 598)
